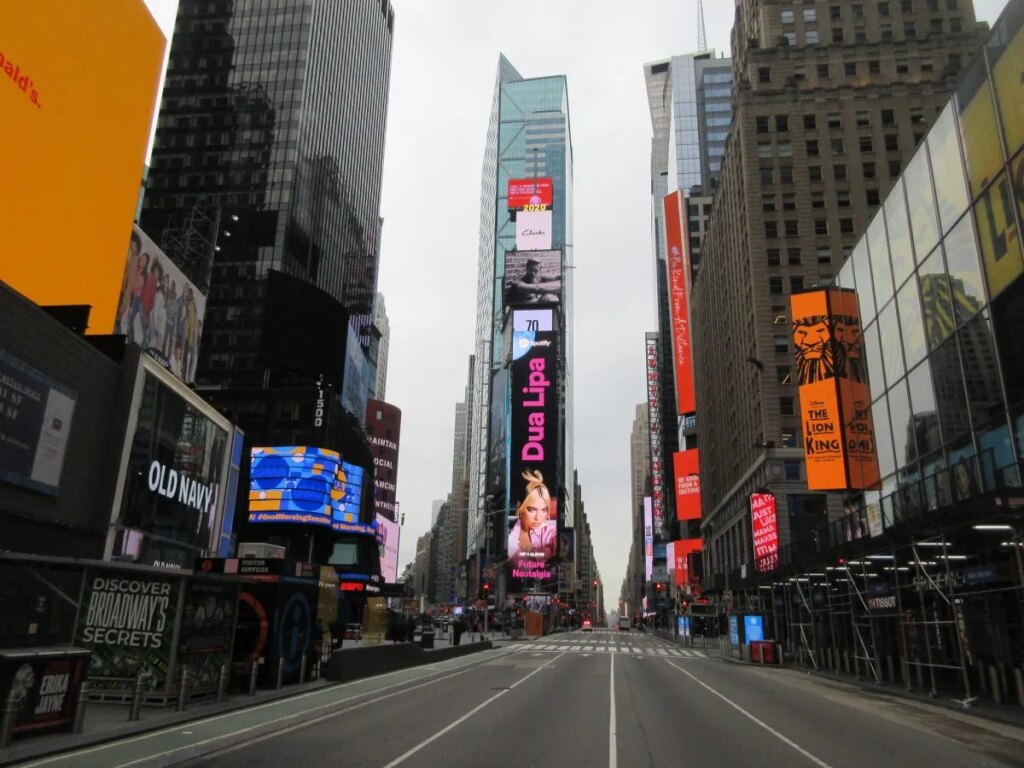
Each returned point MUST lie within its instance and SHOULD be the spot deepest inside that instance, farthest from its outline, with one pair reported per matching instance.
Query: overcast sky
(443, 70)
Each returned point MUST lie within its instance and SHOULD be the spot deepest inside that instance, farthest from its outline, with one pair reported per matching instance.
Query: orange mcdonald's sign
(835, 399)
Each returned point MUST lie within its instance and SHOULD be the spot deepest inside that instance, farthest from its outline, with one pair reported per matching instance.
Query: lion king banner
(835, 398)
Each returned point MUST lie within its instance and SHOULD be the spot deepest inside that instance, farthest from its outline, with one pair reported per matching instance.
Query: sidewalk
(109, 722)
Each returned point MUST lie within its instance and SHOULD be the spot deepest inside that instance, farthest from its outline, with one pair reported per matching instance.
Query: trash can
(427, 638)
(755, 651)
(768, 653)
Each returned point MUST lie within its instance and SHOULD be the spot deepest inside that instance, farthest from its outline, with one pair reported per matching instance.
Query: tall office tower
(831, 100)
(640, 474)
(271, 134)
(383, 326)
(528, 141)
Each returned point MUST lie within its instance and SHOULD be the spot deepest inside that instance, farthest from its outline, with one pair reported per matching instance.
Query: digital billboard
(384, 427)
(292, 484)
(684, 575)
(765, 529)
(835, 400)
(530, 194)
(648, 540)
(533, 491)
(533, 230)
(159, 308)
(654, 420)
(498, 434)
(176, 474)
(347, 496)
(677, 263)
(388, 533)
(532, 277)
(77, 99)
(686, 469)
(35, 424)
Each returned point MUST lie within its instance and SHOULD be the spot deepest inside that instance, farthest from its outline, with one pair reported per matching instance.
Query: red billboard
(384, 429)
(681, 551)
(686, 469)
(677, 262)
(530, 194)
(765, 527)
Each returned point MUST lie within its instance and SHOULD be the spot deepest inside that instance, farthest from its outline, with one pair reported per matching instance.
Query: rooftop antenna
(702, 35)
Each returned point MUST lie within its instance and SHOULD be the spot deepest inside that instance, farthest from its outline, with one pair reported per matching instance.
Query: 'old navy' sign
(179, 487)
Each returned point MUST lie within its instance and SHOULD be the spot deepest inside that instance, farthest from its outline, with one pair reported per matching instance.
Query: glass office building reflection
(939, 280)
(272, 129)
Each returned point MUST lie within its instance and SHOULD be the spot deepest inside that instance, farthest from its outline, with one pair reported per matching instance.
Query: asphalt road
(578, 699)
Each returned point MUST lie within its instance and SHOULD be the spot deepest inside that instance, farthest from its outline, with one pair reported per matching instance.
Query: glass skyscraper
(268, 155)
(528, 136)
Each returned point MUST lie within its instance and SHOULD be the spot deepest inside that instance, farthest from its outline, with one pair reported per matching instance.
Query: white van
(623, 623)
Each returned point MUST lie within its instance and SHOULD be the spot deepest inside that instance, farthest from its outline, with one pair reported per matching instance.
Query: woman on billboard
(534, 531)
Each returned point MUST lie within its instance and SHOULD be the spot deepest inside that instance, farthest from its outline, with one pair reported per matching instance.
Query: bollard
(253, 675)
(906, 674)
(302, 670)
(183, 690)
(7, 719)
(280, 673)
(79, 719)
(997, 693)
(135, 710)
(1019, 678)
(222, 683)
(890, 669)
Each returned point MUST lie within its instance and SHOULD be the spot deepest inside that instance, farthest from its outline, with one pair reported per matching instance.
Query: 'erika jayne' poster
(533, 463)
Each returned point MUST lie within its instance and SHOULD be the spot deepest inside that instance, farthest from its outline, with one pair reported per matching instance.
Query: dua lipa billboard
(533, 464)
(835, 400)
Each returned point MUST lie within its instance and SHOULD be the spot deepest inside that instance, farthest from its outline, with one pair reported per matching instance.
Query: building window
(762, 124)
(909, 29)
(789, 201)
(771, 229)
(902, 68)
(951, 5)
(783, 374)
(817, 199)
(846, 226)
(886, 31)
(835, 12)
(838, 147)
(858, 10)
(790, 38)
(872, 197)
(837, 35)
(786, 406)
(927, 65)
(812, 37)
(793, 257)
(785, 149)
(767, 202)
(786, 174)
(810, 14)
(821, 227)
(888, 117)
(863, 119)
(782, 343)
(894, 168)
(814, 172)
(839, 171)
(892, 142)
(786, 16)
(810, 123)
(764, 151)
(906, 6)
(874, 67)
(767, 176)
(916, 115)
(883, 9)
(791, 468)
(835, 120)
(775, 286)
(869, 170)
(782, 123)
(850, 69)
(843, 198)
(792, 228)
(812, 148)
(774, 257)
(823, 71)
(796, 284)
(764, 75)
(824, 256)
(866, 144)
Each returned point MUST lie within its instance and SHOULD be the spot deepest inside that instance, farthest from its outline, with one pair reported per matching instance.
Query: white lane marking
(613, 757)
(764, 725)
(561, 648)
(450, 726)
(634, 650)
(152, 734)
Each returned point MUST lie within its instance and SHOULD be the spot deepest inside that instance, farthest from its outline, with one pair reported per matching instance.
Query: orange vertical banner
(677, 263)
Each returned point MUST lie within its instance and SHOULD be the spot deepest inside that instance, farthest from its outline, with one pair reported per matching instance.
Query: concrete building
(383, 326)
(831, 101)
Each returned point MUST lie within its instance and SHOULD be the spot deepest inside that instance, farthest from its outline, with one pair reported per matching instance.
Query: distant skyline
(443, 69)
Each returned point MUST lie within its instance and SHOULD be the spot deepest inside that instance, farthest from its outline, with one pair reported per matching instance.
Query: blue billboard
(753, 629)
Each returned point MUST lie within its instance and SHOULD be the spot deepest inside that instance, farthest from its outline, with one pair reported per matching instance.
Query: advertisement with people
(45, 683)
(35, 414)
(533, 492)
(159, 308)
(175, 476)
(533, 277)
(127, 621)
(207, 631)
(388, 532)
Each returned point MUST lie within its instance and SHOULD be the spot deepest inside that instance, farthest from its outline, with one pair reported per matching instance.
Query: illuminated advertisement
(1006, 71)
(498, 434)
(302, 484)
(35, 423)
(681, 551)
(654, 419)
(686, 468)
(677, 262)
(753, 629)
(765, 529)
(835, 400)
(648, 540)
(533, 491)
(530, 194)
(175, 477)
(77, 96)
(532, 277)
(384, 427)
(388, 533)
(159, 309)
(533, 230)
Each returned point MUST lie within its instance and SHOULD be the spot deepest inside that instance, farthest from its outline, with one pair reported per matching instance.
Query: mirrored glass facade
(939, 281)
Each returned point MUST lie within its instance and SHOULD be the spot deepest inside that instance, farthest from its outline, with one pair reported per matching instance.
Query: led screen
(686, 467)
(530, 194)
(532, 277)
(654, 419)
(648, 540)
(765, 529)
(533, 230)
(677, 262)
(292, 484)
(388, 533)
(753, 629)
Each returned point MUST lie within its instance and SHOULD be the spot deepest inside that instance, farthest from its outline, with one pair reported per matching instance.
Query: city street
(547, 703)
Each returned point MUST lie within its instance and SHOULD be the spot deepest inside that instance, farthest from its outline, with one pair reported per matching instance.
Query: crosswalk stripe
(662, 652)
(563, 648)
